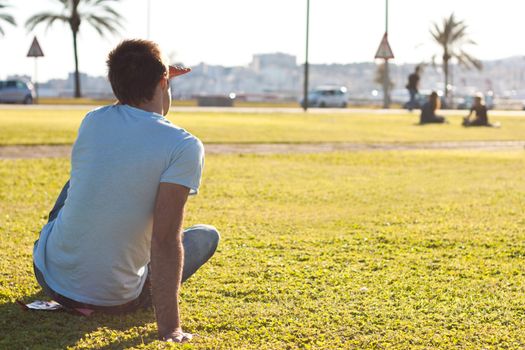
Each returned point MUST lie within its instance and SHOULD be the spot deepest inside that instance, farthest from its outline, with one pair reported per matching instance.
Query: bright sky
(228, 32)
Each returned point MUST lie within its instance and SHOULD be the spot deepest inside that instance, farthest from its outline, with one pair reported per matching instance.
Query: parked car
(16, 91)
(466, 102)
(327, 96)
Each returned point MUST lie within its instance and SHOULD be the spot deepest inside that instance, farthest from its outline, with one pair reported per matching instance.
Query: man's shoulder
(179, 138)
(100, 110)
(176, 131)
(190, 143)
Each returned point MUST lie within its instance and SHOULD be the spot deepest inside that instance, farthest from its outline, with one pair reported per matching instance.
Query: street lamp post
(148, 20)
(305, 92)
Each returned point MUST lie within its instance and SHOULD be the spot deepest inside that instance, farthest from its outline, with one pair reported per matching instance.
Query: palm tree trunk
(77, 74)
(445, 72)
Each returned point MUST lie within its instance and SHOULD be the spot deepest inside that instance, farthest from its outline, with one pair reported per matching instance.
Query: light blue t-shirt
(97, 249)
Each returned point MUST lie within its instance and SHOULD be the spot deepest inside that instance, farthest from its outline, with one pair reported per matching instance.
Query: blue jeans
(199, 242)
(412, 103)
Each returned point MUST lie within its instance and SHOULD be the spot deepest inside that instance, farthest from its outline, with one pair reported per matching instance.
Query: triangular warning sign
(35, 50)
(384, 50)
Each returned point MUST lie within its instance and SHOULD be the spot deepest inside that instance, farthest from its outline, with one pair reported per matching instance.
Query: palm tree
(98, 13)
(452, 37)
(5, 17)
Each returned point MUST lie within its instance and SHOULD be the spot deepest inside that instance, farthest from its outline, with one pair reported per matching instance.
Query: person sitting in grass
(428, 111)
(481, 118)
(114, 241)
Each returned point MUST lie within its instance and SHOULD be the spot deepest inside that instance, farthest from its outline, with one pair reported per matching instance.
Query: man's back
(481, 114)
(413, 81)
(97, 249)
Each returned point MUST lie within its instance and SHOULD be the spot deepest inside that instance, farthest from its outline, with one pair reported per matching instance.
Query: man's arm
(469, 114)
(167, 259)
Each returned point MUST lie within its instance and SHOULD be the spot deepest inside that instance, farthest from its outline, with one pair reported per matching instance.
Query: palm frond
(44, 18)
(445, 33)
(470, 42)
(101, 16)
(7, 18)
(3, 5)
(451, 18)
(96, 2)
(469, 61)
(100, 2)
(65, 3)
(103, 24)
(458, 33)
(116, 16)
(436, 32)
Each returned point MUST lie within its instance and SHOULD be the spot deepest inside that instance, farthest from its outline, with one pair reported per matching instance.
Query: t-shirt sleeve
(186, 166)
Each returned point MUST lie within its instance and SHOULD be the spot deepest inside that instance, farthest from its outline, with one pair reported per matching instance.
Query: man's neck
(151, 106)
(156, 104)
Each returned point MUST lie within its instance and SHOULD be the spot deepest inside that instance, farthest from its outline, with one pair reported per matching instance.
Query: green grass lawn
(60, 127)
(344, 250)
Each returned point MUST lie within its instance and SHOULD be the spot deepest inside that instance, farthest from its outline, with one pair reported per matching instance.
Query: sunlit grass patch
(60, 127)
(367, 250)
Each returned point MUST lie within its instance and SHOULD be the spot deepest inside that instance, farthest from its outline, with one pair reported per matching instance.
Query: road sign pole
(386, 75)
(35, 51)
(384, 52)
(305, 92)
(386, 16)
(386, 87)
(36, 80)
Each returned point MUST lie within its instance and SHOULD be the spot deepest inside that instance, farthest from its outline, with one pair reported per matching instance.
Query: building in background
(278, 77)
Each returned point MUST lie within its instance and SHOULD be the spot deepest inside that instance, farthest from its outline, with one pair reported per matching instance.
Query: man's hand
(178, 336)
(167, 259)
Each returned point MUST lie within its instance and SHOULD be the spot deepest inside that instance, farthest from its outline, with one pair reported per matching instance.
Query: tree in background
(379, 77)
(4, 17)
(452, 37)
(98, 13)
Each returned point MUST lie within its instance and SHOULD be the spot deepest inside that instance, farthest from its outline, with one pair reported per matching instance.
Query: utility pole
(305, 92)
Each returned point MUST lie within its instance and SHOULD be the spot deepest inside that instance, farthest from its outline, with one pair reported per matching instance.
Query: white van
(327, 96)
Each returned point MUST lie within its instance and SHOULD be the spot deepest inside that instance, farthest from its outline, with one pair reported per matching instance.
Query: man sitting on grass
(114, 240)
(481, 118)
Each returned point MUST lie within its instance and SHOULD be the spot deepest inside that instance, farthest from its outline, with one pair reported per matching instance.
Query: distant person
(114, 241)
(413, 88)
(428, 111)
(480, 117)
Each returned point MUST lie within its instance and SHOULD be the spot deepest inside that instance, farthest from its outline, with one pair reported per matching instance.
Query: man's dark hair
(135, 68)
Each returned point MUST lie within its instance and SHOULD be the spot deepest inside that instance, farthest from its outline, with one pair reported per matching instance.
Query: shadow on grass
(22, 329)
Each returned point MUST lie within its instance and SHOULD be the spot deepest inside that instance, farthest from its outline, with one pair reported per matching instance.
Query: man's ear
(164, 83)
